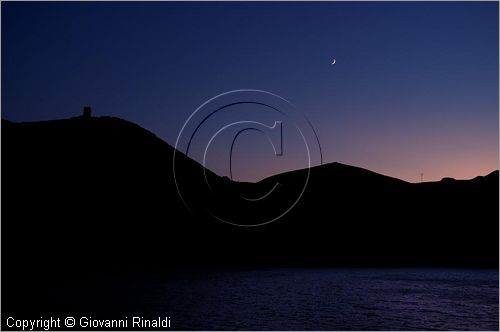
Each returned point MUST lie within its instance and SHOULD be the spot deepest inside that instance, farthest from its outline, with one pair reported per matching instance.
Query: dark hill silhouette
(83, 196)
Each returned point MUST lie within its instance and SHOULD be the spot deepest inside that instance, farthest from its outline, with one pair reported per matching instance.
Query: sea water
(324, 299)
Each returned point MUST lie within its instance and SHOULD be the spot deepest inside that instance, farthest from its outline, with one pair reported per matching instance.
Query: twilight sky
(414, 88)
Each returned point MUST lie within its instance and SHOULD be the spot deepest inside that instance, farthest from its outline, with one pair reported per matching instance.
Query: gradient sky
(414, 88)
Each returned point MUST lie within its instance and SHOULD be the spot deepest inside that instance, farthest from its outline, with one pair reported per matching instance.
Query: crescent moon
(333, 61)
